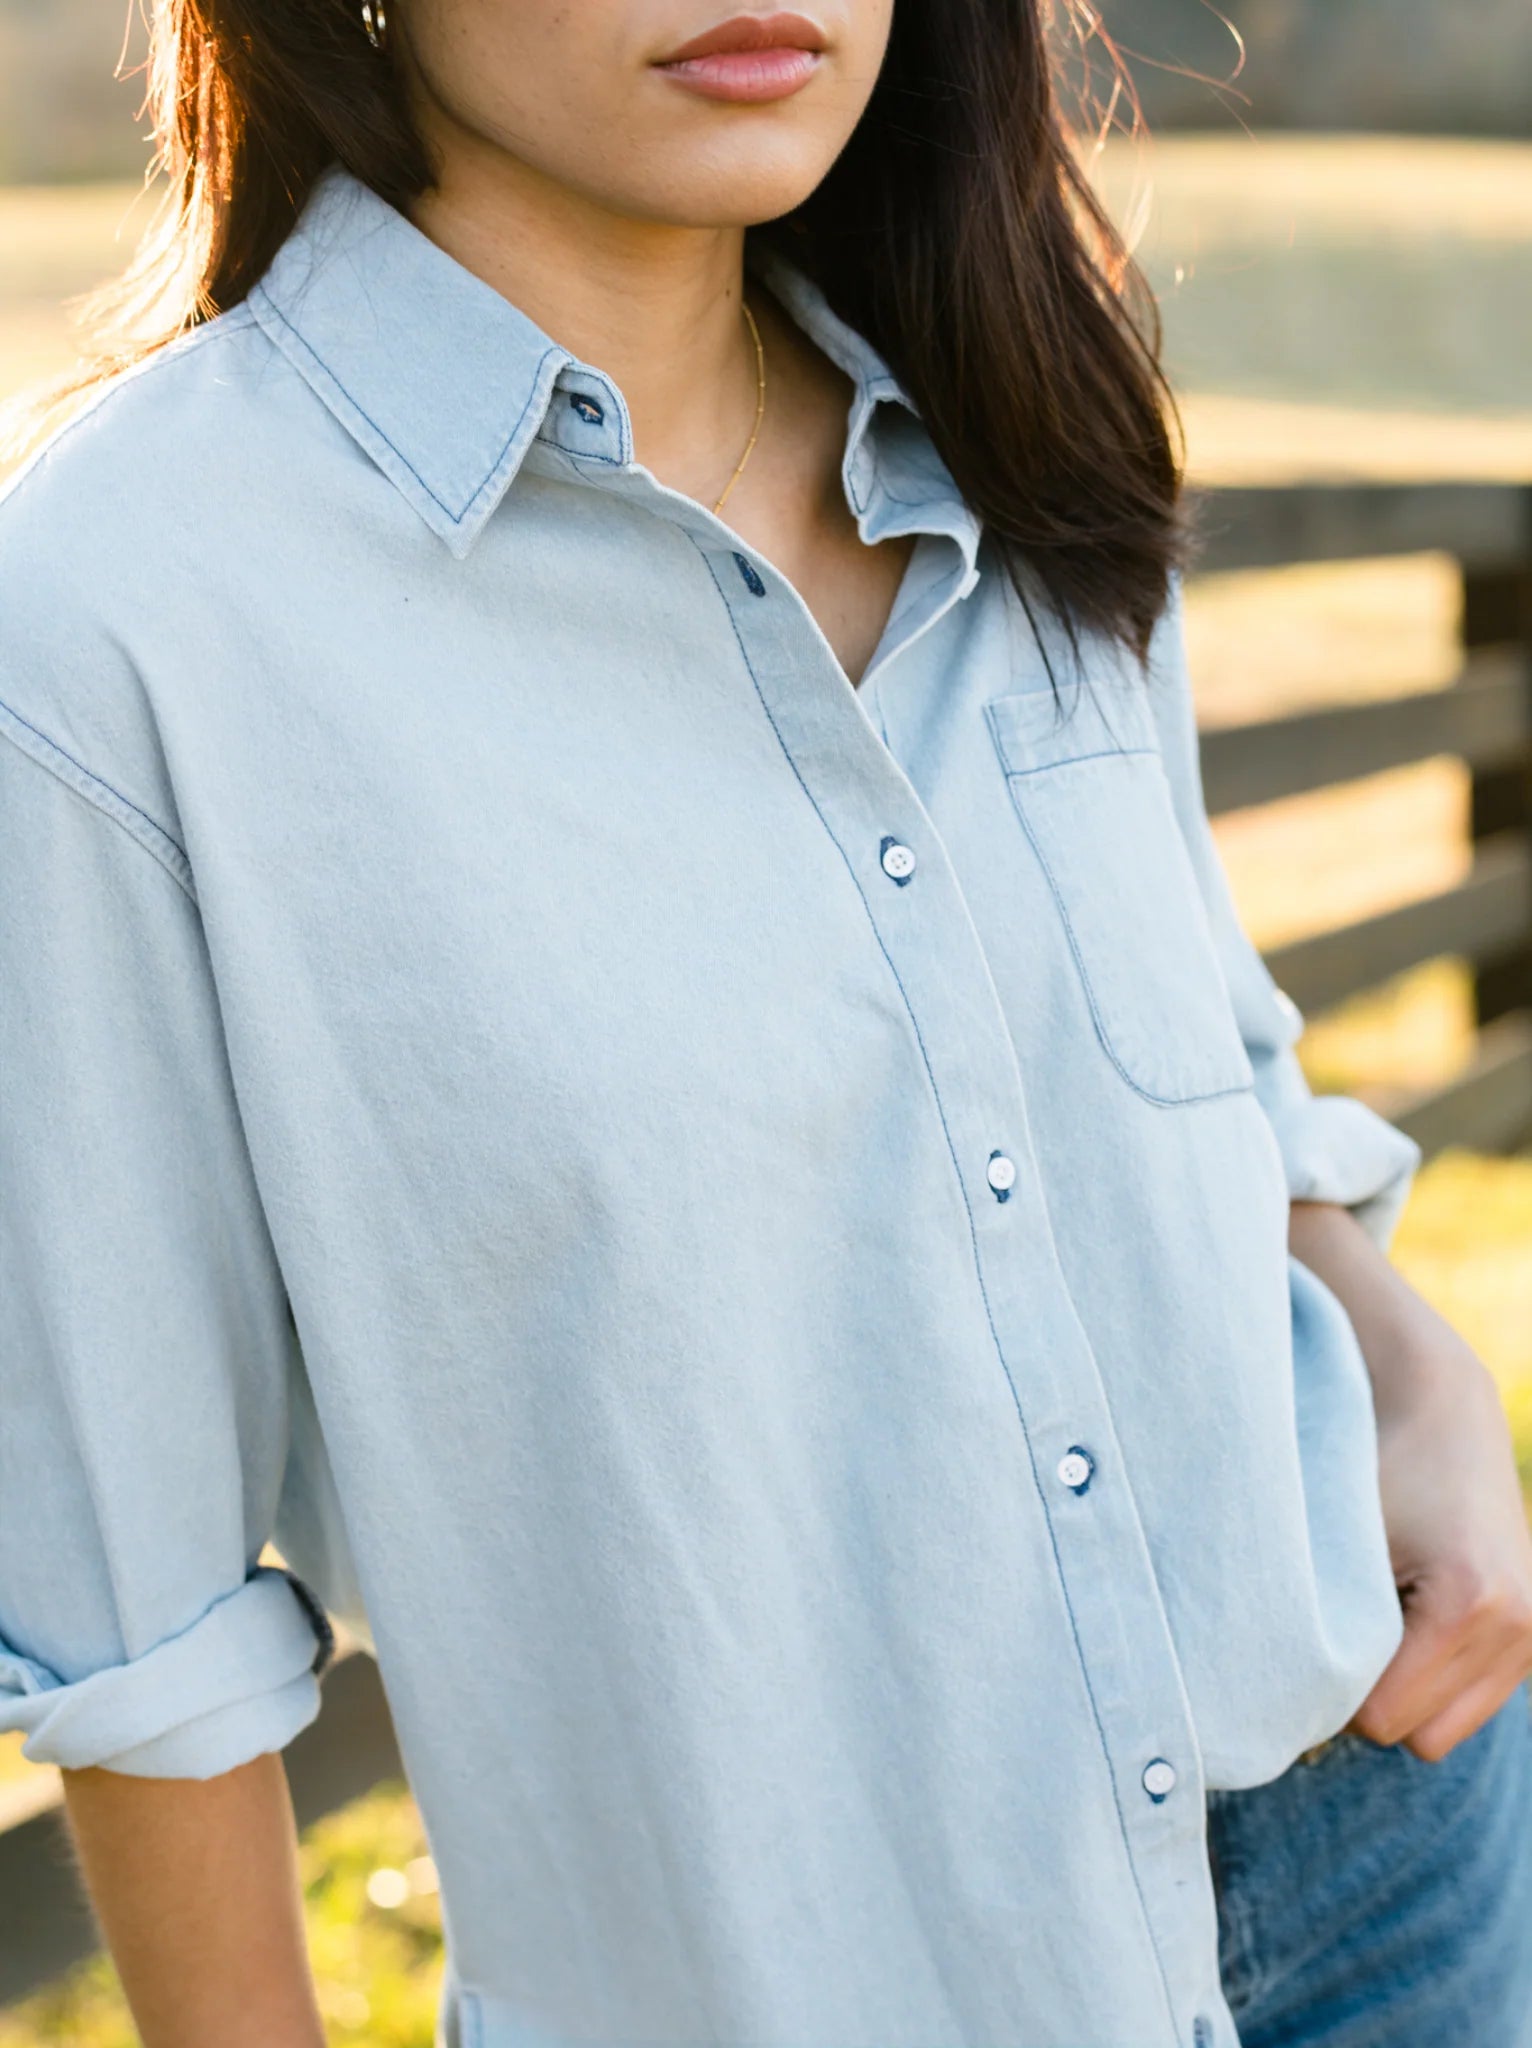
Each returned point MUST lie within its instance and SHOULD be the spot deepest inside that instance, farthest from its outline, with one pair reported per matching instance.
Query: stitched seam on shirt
(361, 411)
(1069, 760)
(550, 439)
(973, 1238)
(234, 321)
(100, 795)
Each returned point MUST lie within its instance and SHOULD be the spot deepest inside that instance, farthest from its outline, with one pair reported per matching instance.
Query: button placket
(859, 789)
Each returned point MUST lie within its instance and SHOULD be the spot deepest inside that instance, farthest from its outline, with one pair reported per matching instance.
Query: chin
(732, 194)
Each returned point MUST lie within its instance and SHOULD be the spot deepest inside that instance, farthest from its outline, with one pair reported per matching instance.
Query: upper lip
(751, 32)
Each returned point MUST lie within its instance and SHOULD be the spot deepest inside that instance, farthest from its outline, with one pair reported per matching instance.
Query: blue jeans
(1370, 1900)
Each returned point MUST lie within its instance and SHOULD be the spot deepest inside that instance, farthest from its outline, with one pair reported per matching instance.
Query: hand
(1452, 1505)
(1462, 1558)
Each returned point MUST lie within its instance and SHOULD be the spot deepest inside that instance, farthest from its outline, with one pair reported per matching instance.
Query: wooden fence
(1484, 717)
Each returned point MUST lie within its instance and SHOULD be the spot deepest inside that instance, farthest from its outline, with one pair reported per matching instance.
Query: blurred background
(1335, 209)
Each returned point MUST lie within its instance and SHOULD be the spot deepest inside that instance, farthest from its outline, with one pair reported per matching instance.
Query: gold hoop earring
(375, 21)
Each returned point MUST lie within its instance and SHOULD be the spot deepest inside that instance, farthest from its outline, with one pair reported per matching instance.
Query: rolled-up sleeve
(146, 1351)
(1334, 1148)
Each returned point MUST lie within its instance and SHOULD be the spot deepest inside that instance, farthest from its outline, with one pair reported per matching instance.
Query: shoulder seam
(101, 796)
(234, 321)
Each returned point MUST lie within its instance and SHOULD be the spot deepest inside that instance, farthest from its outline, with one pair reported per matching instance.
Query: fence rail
(1483, 718)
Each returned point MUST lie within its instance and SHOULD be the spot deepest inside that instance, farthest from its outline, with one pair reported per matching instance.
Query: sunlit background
(1337, 304)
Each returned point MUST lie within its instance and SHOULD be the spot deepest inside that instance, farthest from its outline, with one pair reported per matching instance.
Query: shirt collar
(446, 384)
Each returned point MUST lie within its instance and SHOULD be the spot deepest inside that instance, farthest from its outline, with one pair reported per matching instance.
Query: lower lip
(745, 74)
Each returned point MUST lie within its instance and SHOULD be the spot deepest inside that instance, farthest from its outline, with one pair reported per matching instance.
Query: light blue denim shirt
(733, 1226)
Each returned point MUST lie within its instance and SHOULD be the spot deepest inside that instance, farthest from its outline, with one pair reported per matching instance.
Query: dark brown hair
(956, 231)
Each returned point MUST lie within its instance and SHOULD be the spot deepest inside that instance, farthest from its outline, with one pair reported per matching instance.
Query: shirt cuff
(242, 1679)
(1336, 1149)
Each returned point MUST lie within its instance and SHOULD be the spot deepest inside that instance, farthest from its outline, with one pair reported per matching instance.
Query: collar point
(458, 538)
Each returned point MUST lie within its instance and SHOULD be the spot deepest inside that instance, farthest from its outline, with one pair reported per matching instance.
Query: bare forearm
(1452, 1503)
(195, 1884)
(1409, 1348)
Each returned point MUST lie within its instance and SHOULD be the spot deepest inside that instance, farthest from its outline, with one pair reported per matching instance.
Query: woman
(621, 1028)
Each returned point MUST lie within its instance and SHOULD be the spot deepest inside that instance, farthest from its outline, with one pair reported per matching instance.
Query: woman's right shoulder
(141, 463)
(124, 532)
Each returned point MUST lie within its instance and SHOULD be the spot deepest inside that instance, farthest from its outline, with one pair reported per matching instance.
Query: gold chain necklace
(760, 401)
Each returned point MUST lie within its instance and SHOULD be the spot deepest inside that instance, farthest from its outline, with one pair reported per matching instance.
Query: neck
(655, 306)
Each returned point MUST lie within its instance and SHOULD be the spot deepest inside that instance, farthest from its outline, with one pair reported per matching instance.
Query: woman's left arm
(1452, 1504)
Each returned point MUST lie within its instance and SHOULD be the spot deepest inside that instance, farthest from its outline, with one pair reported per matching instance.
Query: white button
(898, 861)
(1075, 1468)
(1001, 1173)
(1159, 1778)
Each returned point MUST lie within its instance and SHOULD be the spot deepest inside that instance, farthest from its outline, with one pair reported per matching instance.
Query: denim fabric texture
(1373, 1900)
(732, 1226)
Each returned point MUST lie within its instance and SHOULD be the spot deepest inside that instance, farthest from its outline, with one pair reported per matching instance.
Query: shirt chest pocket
(1089, 789)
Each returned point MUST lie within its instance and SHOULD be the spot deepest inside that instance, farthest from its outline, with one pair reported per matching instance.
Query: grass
(1333, 308)
(374, 1935)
